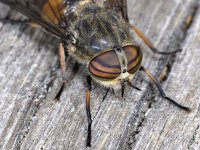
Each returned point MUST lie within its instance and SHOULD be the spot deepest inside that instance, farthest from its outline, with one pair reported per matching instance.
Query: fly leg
(62, 64)
(104, 97)
(148, 42)
(62, 60)
(163, 95)
(89, 118)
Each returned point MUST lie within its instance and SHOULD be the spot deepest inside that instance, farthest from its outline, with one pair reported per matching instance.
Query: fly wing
(119, 5)
(47, 13)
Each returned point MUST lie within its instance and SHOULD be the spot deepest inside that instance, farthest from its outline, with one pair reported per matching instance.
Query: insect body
(95, 33)
(101, 40)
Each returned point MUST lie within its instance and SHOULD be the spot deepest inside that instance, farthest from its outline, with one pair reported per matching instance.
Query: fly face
(111, 68)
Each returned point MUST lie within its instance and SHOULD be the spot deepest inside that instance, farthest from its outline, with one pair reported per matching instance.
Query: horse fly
(96, 34)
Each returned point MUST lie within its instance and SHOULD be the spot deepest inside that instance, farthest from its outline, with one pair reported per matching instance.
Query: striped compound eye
(105, 66)
(134, 58)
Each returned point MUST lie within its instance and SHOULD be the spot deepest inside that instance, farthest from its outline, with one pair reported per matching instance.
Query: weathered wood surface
(31, 119)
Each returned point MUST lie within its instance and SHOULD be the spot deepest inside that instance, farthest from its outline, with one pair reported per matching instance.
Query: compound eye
(105, 66)
(134, 58)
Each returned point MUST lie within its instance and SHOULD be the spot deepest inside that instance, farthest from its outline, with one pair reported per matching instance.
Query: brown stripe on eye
(105, 65)
(102, 74)
(134, 57)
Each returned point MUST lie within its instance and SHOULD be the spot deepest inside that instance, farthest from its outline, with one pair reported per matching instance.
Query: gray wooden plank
(169, 128)
(31, 119)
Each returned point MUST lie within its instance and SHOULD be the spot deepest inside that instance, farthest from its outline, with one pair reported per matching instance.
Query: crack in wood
(191, 142)
(34, 107)
(140, 116)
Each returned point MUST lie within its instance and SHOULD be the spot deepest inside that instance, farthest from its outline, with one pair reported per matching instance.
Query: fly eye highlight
(105, 66)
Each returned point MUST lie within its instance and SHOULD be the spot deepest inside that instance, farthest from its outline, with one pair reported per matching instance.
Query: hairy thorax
(96, 30)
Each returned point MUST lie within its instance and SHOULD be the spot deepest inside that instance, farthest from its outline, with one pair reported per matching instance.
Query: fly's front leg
(162, 92)
(148, 42)
(89, 118)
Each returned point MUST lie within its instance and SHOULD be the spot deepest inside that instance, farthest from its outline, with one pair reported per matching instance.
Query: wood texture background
(31, 119)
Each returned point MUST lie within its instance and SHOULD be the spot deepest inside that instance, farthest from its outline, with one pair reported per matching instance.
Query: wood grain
(29, 77)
